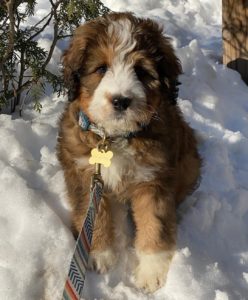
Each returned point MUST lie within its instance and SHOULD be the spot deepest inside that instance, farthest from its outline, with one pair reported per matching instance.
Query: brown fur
(168, 144)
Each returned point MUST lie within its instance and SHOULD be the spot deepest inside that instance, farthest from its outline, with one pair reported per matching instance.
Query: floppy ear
(150, 34)
(169, 68)
(72, 61)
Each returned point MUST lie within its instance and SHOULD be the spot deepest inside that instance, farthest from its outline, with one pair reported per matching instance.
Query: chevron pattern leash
(75, 280)
(99, 156)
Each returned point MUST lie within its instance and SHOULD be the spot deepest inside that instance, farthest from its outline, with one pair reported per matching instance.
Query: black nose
(121, 103)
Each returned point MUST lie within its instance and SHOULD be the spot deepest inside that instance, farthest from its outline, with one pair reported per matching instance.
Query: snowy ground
(211, 260)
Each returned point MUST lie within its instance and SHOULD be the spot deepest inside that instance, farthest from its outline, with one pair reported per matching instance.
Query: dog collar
(85, 124)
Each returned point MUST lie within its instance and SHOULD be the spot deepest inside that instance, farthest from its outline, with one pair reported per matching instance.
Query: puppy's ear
(72, 61)
(169, 68)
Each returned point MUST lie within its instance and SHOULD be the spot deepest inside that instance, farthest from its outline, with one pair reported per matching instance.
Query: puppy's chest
(126, 168)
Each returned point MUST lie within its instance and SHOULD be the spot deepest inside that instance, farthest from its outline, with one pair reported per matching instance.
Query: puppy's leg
(79, 209)
(102, 256)
(155, 218)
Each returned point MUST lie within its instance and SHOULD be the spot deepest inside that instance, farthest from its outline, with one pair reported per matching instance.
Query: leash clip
(95, 179)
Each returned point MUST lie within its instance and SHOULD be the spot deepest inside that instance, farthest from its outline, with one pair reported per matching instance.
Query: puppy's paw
(102, 261)
(151, 272)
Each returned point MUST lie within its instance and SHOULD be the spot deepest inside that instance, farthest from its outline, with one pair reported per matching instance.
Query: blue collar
(86, 125)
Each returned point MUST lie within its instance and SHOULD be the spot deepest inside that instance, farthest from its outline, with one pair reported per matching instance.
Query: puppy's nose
(121, 103)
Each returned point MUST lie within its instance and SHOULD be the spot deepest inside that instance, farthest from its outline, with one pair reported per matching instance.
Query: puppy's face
(115, 66)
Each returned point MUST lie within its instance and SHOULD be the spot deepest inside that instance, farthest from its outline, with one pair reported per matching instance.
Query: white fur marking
(152, 270)
(122, 30)
(123, 164)
(102, 261)
(119, 80)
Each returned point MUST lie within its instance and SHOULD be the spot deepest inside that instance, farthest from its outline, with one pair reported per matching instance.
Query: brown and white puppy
(122, 73)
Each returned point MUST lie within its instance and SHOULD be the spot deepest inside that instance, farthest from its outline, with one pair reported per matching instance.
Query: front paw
(151, 272)
(102, 261)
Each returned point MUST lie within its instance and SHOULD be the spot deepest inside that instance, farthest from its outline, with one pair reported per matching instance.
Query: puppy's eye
(102, 69)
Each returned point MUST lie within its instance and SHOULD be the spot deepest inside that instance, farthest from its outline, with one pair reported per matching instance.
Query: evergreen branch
(42, 28)
(19, 47)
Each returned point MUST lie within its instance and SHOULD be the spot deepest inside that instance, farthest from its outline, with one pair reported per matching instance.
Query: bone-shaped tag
(98, 157)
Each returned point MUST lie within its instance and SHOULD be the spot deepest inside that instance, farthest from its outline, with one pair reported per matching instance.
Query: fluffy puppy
(121, 73)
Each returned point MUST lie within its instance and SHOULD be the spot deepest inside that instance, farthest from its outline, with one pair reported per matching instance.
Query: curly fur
(155, 168)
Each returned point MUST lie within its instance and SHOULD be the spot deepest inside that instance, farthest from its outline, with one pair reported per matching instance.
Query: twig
(42, 28)
(64, 36)
(24, 86)
(38, 23)
(55, 33)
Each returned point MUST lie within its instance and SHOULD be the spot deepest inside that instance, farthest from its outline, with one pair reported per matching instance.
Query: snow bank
(211, 260)
(35, 242)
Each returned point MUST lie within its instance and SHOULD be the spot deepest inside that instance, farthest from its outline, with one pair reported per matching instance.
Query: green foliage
(23, 63)
(74, 10)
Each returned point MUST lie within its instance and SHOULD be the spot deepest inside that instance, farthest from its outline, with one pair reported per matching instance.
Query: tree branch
(24, 86)
(22, 71)
(10, 46)
(4, 22)
(55, 33)
(51, 13)
(64, 36)
(43, 27)
(11, 33)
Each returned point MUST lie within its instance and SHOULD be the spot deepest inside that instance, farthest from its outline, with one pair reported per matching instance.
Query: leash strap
(99, 156)
(76, 276)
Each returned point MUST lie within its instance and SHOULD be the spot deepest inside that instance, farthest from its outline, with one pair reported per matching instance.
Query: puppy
(121, 74)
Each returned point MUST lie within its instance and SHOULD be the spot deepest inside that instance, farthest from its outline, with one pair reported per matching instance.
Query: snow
(33, 220)
(211, 260)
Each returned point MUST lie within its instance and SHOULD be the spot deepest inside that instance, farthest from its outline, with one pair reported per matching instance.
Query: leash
(76, 276)
(99, 156)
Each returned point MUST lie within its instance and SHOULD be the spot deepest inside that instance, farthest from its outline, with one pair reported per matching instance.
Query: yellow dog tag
(101, 157)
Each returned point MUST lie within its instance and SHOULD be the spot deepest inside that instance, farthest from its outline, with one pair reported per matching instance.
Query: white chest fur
(124, 165)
